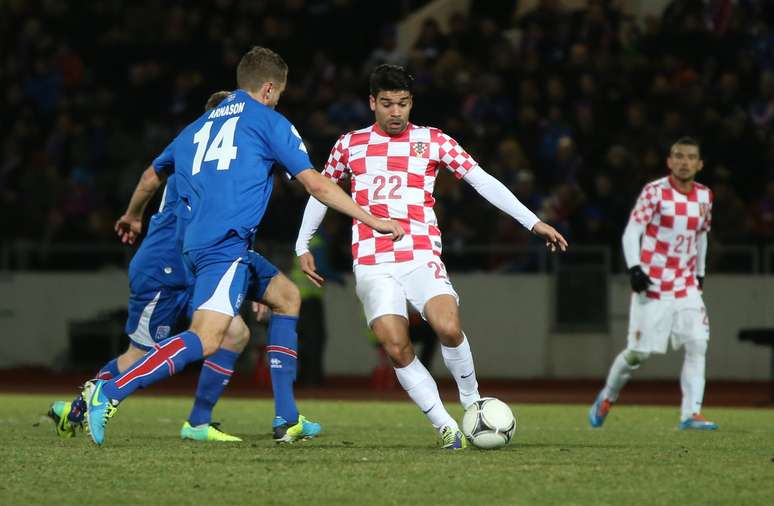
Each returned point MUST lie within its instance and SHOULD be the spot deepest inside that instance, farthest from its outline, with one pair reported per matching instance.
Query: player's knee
(288, 298)
(635, 358)
(401, 353)
(696, 348)
(237, 337)
(210, 336)
(449, 333)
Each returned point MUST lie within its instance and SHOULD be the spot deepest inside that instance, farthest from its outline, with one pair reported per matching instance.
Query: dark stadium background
(574, 110)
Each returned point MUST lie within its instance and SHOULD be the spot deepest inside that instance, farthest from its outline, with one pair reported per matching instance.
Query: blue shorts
(153, 310)
(227, 273)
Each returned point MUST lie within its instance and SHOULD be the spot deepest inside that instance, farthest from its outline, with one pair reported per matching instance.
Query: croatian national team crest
(419, 149)
(703, 209)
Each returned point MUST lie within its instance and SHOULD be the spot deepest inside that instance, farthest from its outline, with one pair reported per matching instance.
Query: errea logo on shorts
(275, 363)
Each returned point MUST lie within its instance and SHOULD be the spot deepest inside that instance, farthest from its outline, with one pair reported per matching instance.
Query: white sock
(692, 378)
(619, 374)
(459, 361)
(421, 387)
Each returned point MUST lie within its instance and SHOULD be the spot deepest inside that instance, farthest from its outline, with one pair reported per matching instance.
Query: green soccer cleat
(452, 439)
(286, 433)
(58, 413)
(208, 432)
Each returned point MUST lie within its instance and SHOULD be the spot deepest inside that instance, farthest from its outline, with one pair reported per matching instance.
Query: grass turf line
(384, 453)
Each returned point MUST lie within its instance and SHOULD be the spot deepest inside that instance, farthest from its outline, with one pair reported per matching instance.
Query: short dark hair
(215, 99)
(258, 66)
(686, 141)
(388, 77)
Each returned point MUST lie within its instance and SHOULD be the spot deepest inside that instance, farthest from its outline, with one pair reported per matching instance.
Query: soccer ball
(489, 423)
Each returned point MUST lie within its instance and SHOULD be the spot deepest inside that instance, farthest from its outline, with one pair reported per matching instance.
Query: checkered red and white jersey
(672, 221)
(393, 177)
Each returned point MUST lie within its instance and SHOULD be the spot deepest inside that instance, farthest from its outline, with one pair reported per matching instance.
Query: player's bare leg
(282, 296)
(392, 333)
(211, 327)
(443, 315)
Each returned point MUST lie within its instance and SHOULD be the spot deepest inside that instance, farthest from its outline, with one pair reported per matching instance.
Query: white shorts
(652, 322)
(384, 288)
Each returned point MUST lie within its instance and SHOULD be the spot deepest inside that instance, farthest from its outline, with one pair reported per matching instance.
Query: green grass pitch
(384, 453)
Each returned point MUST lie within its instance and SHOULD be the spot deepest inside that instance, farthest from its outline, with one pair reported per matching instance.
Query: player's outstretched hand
(310, 269)
(128, 228)
(554, 239)
(638, 279)
(390, 227)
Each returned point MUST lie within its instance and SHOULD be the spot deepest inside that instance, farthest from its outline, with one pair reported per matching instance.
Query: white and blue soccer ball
(488, 423)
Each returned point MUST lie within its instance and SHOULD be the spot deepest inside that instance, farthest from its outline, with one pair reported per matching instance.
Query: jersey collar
(381, 132)
(678, 190)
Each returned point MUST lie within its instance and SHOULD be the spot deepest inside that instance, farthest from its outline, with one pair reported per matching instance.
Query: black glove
(639, 279)
(700, 279)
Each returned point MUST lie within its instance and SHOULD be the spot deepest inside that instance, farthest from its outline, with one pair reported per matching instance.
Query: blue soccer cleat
(286, 433)
(99, 409)
(598, 411)
(697, 422)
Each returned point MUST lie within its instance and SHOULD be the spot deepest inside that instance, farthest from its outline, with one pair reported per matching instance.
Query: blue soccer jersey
(223, 163)
(159, 254)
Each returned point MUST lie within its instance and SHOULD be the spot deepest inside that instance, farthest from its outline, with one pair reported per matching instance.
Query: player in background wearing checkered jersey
(393, 165)
(665, 245)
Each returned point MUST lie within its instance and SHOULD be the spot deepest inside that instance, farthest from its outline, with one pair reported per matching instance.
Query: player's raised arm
(503, 199)
(129, 226)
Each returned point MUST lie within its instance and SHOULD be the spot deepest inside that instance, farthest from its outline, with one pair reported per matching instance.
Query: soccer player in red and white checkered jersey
(665, 245)
(393, 165)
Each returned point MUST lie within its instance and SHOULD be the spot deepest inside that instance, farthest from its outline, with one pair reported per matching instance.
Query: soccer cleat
(697, 422)
(99, 409)
(599, 411)
(206, 432)
(58, 413)
(452, 439)
(286, 433)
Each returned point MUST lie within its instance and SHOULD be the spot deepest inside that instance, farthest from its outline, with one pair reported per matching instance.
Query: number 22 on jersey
(221, 149)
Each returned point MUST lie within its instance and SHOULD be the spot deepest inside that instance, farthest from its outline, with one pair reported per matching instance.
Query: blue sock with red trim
(215, 375)
(168, 357)
(282, 353)
(109, 370)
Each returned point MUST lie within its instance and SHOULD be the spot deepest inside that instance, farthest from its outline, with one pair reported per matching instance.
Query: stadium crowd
(573, 109)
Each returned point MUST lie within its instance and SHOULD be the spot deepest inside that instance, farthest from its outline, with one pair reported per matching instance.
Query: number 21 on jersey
(221, 149)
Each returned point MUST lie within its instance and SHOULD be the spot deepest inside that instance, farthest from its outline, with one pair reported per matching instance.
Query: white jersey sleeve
(313, 216)
(499, 196)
